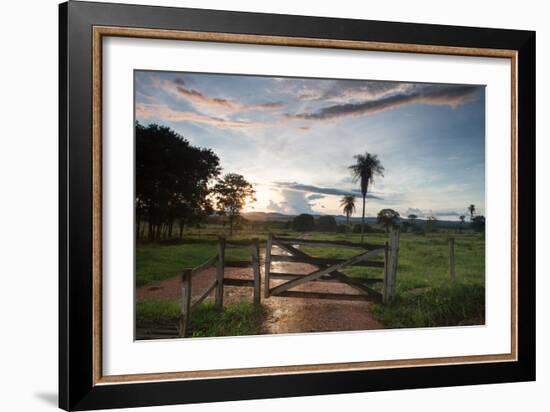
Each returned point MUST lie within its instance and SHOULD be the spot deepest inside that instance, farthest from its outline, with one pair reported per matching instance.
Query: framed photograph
(259, 205)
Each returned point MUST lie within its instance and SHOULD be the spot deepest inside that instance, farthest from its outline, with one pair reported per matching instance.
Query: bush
(326, 224)
(304, 223)
(342, 229)
(368, 229)
(478, 224)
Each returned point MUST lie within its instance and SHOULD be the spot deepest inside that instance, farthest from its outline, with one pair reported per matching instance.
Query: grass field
(425, 296)
(238, 319)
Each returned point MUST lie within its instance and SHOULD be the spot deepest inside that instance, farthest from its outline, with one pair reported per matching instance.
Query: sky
(295, 138)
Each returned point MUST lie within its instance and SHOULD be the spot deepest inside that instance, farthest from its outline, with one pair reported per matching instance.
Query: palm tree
(365, 168)
(348, 205)
(472, 210)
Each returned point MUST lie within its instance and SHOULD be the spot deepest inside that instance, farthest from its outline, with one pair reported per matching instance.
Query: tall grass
(206, 320)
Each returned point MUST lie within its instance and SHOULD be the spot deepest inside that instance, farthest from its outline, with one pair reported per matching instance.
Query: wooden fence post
(185, 303)
(220, 272)
(452, 269)
(256, 268)
(386, 291)
(395, 260)
(390, 267)
(267, 268)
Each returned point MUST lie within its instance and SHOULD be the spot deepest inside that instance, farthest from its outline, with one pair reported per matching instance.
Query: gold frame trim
(102, 31)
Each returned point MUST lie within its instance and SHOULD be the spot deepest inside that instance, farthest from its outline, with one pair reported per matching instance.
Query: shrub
(303, 223)
(342, 229)
(368, 229)
(326, 224)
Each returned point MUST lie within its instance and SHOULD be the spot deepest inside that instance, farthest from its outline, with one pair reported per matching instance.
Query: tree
(431, 223)
(348, 205)
(231, 193)
(412, 219)
(326, 224)
(472, 210)
(462, 218)
(304, 223)
(388, 217)
(478, 223)
(364, 170)
(172, 179)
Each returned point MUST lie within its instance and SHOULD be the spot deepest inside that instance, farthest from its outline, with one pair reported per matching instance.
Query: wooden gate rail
(187, 303)
(329, 269)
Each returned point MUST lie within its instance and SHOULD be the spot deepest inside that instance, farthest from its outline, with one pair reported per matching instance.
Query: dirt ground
(283, 315)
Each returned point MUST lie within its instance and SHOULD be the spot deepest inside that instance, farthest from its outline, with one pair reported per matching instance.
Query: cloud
(414, 211)
(177, 88)
(294, 203)
(452, 96)
(322, 190)
(165, 113)
(349, 90)
(438, 213)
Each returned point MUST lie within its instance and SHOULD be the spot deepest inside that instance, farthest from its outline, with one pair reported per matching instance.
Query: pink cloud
(165, 113)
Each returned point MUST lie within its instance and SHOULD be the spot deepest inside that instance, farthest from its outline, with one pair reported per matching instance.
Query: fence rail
(329, 269)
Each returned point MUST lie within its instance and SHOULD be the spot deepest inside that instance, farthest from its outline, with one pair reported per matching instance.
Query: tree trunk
(181, 228)
(138, 223)
(230, 225)
(363, 217)
(150, 226)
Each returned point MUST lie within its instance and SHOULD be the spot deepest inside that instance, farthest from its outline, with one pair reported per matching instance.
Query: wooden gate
(329, 270)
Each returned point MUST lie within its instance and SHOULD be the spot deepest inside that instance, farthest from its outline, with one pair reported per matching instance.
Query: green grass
(442, 306)
(236, 319)
(157, 311)
(155, 262)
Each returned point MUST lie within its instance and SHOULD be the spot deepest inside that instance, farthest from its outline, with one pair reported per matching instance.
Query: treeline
(386, 219)
(172, 181)
(307, 223)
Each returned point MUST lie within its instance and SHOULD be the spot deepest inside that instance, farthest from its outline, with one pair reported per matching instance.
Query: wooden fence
(329, 269)
(219, 261)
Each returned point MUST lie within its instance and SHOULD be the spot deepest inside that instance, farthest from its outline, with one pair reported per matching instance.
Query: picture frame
(83, 27)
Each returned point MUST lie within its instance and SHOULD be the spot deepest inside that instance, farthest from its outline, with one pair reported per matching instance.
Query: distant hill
(281, 217)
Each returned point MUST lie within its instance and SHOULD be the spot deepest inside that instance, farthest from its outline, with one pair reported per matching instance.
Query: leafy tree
(431, 223)
(326, 224)
(478, 223)
(231, 194)
(304, 223)
(462, 219)
(388, 217)
(172, 179)
(472, 210)
(364, 170)
(412, 219)
(348, 206)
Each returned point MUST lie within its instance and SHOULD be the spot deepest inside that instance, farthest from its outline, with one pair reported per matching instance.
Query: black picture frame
(77, 390)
